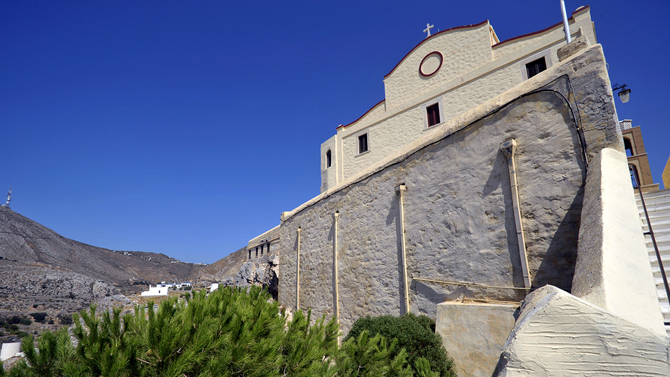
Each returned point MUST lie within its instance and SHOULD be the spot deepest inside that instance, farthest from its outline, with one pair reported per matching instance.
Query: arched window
(328, 159)
(628, 146)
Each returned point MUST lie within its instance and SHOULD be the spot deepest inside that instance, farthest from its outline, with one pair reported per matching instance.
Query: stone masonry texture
(459, 220)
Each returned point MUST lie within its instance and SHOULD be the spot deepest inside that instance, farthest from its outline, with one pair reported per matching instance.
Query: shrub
(39, 316)
(416, 334)
(231, 332)
(356, 360)
(13, 320)
(65, 319)
(25, 321)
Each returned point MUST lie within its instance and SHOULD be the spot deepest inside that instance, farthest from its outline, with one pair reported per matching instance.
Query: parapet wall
(460, 235)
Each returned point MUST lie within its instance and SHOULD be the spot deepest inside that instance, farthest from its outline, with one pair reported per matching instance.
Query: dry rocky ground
(45, 277)
(44, 272)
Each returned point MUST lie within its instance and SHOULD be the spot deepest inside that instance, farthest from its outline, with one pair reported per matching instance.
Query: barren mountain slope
(25, 241)
(227, 267)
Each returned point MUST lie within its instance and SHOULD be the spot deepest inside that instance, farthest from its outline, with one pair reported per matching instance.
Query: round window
(430, 64)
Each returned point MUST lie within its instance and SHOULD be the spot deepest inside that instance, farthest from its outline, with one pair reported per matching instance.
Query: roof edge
(360, 117)
(432, 36)
(579, 10)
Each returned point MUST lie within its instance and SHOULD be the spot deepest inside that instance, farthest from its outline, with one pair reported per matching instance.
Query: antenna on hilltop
(9, 197)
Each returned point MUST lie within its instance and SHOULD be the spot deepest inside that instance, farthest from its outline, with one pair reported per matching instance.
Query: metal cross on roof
(427, 29)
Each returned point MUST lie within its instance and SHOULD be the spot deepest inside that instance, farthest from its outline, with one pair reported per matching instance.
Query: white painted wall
(156, 291)
(558, 334)
(613, 269)
(473, 71)
(462, 50)
(264, 243)
(10, 350)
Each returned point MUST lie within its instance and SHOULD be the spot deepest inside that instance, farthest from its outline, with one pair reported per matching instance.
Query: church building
(490, 191)
(442, 77)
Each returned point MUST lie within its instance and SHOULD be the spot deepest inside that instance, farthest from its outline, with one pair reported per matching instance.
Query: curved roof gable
(433, 36)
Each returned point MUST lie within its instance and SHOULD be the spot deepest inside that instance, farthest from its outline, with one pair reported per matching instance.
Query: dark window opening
(328, 159)
(632, 168)
(536, 66)
(256, 252)
(262, 247)
(628, 146)
(433, 112)
(249, 254)
(268, 248)
(363, 143)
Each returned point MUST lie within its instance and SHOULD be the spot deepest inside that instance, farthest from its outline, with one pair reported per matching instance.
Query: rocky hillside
(30, 250)
(223, 269)
(46, 276)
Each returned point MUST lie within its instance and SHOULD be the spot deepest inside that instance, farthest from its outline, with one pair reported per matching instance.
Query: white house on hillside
(156, 291)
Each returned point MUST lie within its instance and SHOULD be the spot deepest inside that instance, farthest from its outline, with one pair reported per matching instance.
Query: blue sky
(187, 127)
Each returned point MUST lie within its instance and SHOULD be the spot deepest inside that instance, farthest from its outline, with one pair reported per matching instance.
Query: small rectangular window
(363, 143)
(433, 113)
(536, 66)
(328, 159)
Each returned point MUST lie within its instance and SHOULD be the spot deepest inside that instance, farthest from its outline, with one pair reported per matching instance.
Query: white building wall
(383, 140)
(10, 350)
(263, 244)
(156, 291)
(581, 18)
(462, 50)
(329, 176)
(464, 81)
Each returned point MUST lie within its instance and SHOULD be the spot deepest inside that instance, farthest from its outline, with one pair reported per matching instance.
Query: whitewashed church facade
(490, 191)
(442, 77)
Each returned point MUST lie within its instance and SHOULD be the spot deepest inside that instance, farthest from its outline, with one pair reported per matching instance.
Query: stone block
(474, 334)
(613, 269)
(578, 44)
(558, 334)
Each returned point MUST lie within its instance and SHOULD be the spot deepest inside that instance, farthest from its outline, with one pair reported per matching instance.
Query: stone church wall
(459, 222)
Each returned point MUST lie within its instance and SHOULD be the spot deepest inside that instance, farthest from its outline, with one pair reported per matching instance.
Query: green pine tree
(230, 332)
